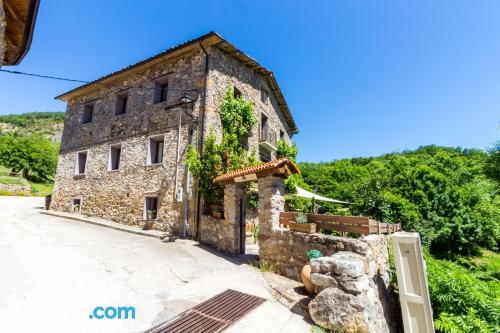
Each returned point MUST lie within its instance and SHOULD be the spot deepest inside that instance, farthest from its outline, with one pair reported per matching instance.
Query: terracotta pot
(148, 225)
(305, 276)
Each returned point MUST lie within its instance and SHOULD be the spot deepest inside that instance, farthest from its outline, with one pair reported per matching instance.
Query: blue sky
(362, 78)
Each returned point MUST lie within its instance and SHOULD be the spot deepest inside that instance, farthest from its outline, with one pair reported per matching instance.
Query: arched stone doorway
(270, 178)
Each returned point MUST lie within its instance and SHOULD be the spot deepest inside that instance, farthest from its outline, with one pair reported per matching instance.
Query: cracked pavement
(54, 272)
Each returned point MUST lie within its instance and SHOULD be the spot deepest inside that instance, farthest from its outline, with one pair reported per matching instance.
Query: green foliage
(31, 118)
(219, 158)
(46, 123)
(284, 149)
(301, 218)
(33, 155)
(440, 192)
(461, 300)
(252, 196)
(236, 115)
(492, 164)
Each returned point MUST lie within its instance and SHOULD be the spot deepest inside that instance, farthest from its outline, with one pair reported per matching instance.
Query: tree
(33, 155)
(492, 163)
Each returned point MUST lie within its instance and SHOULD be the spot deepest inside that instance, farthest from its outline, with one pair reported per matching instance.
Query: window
(265, 155)
(88, 112)
(150, 208)
(81, 163)
(236, 92)
(264, 95)
(155, 150)
(161, 91)
(77, 205)
(243, 142)
(121, 104)
(282, 135)
(115, 153)
(264, 127)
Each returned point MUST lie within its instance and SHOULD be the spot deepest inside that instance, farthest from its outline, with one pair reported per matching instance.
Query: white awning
(306, 194)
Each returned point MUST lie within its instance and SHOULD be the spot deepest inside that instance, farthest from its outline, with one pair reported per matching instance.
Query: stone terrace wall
(351, 279)
(287, 250)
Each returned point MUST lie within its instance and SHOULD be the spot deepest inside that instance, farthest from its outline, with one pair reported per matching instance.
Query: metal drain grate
(213, 315)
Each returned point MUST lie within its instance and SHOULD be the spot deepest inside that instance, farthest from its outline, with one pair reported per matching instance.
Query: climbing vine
(237, 120)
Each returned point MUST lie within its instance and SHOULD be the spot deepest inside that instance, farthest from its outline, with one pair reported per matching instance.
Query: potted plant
(217, 212)
(301, 224)
(305, 273)
(151, 214)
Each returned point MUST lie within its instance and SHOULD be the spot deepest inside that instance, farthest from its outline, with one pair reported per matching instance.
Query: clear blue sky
(362, 78)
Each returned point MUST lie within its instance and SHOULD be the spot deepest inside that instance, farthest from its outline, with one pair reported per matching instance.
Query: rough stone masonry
(93, 126)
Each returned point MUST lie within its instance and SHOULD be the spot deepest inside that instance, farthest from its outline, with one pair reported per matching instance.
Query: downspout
(202, 138)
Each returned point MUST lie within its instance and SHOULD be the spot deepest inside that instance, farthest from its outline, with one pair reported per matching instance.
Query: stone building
(126, 134)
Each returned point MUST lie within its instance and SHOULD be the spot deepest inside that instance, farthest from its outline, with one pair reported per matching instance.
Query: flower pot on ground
(305, 277)
(148, 224)
(305, 273)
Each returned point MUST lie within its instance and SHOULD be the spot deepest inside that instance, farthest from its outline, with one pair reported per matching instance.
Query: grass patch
(11, 180)
(37, 189)
(41, 189)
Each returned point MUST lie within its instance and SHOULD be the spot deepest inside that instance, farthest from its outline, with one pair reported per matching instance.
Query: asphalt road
(55, 271)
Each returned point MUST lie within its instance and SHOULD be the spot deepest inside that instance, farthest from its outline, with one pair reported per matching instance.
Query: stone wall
(287, 250)
(119, 195)
(15, 188)
(227, 71)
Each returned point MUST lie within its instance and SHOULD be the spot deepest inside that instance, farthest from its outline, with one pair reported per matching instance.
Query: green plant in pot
(151, 214)
(301, 224)
(305, 273)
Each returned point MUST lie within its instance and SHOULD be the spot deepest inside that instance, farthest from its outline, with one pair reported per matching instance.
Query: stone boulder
(348, 298)
(339, 311)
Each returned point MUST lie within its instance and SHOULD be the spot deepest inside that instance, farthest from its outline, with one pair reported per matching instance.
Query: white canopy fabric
(306, 194)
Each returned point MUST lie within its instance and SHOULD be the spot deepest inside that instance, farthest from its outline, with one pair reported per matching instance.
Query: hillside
(49, 124)
(29, 144)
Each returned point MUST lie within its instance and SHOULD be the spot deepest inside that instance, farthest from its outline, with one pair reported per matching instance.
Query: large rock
(337, 310)
(348, 264)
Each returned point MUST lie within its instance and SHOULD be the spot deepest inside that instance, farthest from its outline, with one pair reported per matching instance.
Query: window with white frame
(81, 163)
(155, 149)
(115, 154)
(150, 207)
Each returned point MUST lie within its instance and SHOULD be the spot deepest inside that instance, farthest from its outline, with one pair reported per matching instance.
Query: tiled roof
(222, 45)
(259, 169)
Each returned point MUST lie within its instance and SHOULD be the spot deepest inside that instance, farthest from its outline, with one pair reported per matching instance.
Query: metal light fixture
(186, 99)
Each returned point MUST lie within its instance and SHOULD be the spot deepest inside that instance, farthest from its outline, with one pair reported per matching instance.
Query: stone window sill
(79, 176)
(117, 170)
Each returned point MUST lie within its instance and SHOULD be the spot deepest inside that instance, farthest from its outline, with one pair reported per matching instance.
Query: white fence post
(412, 282)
